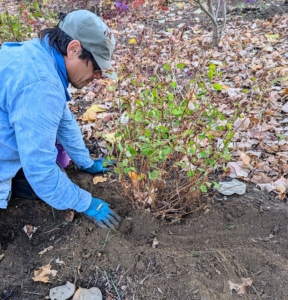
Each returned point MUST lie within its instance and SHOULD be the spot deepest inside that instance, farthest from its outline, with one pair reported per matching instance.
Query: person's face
(79, 72)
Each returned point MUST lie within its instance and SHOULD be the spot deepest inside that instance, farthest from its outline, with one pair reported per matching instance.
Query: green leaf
(212, 71)
(140, 103)
(190, 173)
(154, 174)
(217, 86)
(202, 153)
(36, 5)
(180, 66)
(229, 226)
(216, 185)
(192, 151)
(229, 126)
(166, 67)
(173, 84)
(202, 136)
(120, 147)
(196, 254)
(203, 188)
(128, 154)
(132, 151)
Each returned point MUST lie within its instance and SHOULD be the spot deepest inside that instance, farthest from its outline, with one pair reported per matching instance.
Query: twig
(114, 286)
(207, 13)
(211, 9)
(33, 293)
(106, 240)
(188, 2)
(53, 213)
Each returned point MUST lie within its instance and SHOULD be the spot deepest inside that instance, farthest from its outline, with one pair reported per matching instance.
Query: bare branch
(207, 13)
(224, 17)
(211, 9)
(217, 10)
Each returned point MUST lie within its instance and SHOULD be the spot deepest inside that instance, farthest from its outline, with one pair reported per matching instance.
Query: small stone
(229, 217)
(91, 294)
(62, 292)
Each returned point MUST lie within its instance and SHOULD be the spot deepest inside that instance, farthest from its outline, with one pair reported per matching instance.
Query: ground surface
(243, 237)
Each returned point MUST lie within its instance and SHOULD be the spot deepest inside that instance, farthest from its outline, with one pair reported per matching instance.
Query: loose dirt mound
(243, 237)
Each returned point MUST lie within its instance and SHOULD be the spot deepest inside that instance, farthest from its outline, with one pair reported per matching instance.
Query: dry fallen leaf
(155, 242)
(41, 274)
(98, 179)
(91, 294)
(60, 262)
(45, 250)
(235, 170)
(135, 178)
(266, 187)
(109, 137)
(69, 216)
(260, 177)
(132, 41)
(2, 256)
(133, 175)
(91, 112)
(244, 157)
(240, 288)
(90, 95)
(242, 123)
(29, 230)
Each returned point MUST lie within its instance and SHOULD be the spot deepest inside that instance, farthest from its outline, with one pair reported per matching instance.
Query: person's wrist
(88, 167)
(88, 206)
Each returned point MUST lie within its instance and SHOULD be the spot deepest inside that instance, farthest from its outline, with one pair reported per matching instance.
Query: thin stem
(212, 18)
(114, 286)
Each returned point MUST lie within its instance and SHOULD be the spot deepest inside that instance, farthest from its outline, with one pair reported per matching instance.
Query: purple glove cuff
(62, 157)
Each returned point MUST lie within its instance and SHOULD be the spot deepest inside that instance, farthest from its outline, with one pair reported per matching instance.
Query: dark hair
(60, 40)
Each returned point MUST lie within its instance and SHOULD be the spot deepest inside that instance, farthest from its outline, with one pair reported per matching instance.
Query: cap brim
(105, 66)
(111, 75)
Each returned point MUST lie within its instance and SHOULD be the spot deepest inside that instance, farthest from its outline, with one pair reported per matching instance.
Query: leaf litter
(240, 288)
(43, 272)
(29, 230)
(251, 58)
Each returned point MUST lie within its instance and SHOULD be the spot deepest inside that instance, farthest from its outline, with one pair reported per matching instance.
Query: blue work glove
(100, 213)
(100, 166)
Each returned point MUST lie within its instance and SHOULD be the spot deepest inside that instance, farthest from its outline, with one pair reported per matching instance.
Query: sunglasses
(96, 67)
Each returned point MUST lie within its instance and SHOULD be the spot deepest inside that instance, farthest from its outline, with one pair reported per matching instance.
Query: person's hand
(100, 213)
(100, 166)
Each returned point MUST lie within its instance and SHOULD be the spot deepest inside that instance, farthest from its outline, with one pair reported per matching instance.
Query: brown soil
(245, 236)
(242, 237)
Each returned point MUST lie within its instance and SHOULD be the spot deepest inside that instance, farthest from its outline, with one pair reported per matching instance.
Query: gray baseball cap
(94, 35)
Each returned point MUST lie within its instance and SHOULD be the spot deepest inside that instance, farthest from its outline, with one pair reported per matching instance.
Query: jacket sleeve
(70, 137)
(35, 113)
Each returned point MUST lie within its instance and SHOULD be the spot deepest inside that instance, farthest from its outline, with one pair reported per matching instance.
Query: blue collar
(61, 69)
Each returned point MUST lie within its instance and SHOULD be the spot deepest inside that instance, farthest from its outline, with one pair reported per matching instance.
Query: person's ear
(74, 49)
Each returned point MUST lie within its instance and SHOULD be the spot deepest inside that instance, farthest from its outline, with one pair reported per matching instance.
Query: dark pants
(21, 187)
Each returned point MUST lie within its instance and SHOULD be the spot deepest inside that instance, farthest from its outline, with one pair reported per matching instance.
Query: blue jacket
(33, 114)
